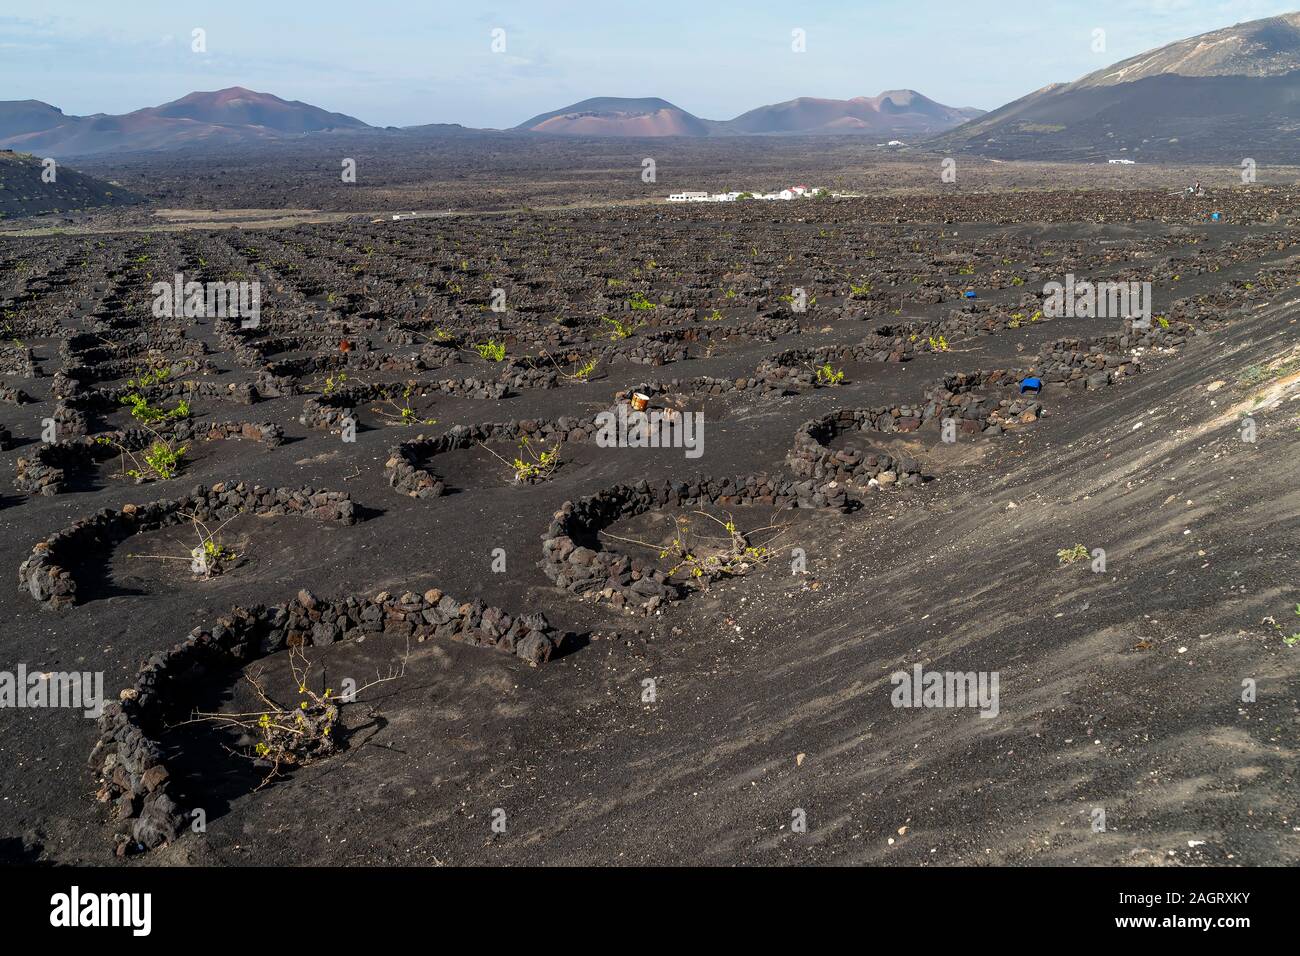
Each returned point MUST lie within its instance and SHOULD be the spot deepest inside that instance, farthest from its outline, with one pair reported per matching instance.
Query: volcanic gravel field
(561, 695)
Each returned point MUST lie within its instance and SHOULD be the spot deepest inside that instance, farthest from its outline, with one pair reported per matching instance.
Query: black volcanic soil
(468, 171)
(1119, 690)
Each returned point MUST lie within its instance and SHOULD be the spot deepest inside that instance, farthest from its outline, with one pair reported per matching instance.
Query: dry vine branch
(405, 414)
(295, 736)
(541, 466)
(581, 374)
(210, 557)
(707, 559)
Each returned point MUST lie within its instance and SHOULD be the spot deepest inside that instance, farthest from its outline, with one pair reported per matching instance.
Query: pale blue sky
(399, 63)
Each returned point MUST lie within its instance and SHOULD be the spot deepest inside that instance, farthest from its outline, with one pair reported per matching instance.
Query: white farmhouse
(793, 192)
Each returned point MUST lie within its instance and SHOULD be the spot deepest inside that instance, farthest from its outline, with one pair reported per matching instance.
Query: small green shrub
(826, 375)
(1070, 555)
(620, 329)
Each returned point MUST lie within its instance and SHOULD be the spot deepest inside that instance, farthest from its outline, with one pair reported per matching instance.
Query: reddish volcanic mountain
(240, 107)
(236, 116)
(228, 116)
(618, 116)
(28, 116)
(892, 113)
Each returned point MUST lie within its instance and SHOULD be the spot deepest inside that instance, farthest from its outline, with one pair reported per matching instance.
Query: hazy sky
(398, 63)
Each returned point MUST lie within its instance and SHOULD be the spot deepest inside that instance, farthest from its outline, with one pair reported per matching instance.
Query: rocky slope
(1221, 96)
(25, 192)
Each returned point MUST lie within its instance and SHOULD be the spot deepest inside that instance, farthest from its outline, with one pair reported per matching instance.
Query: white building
(793, 192)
